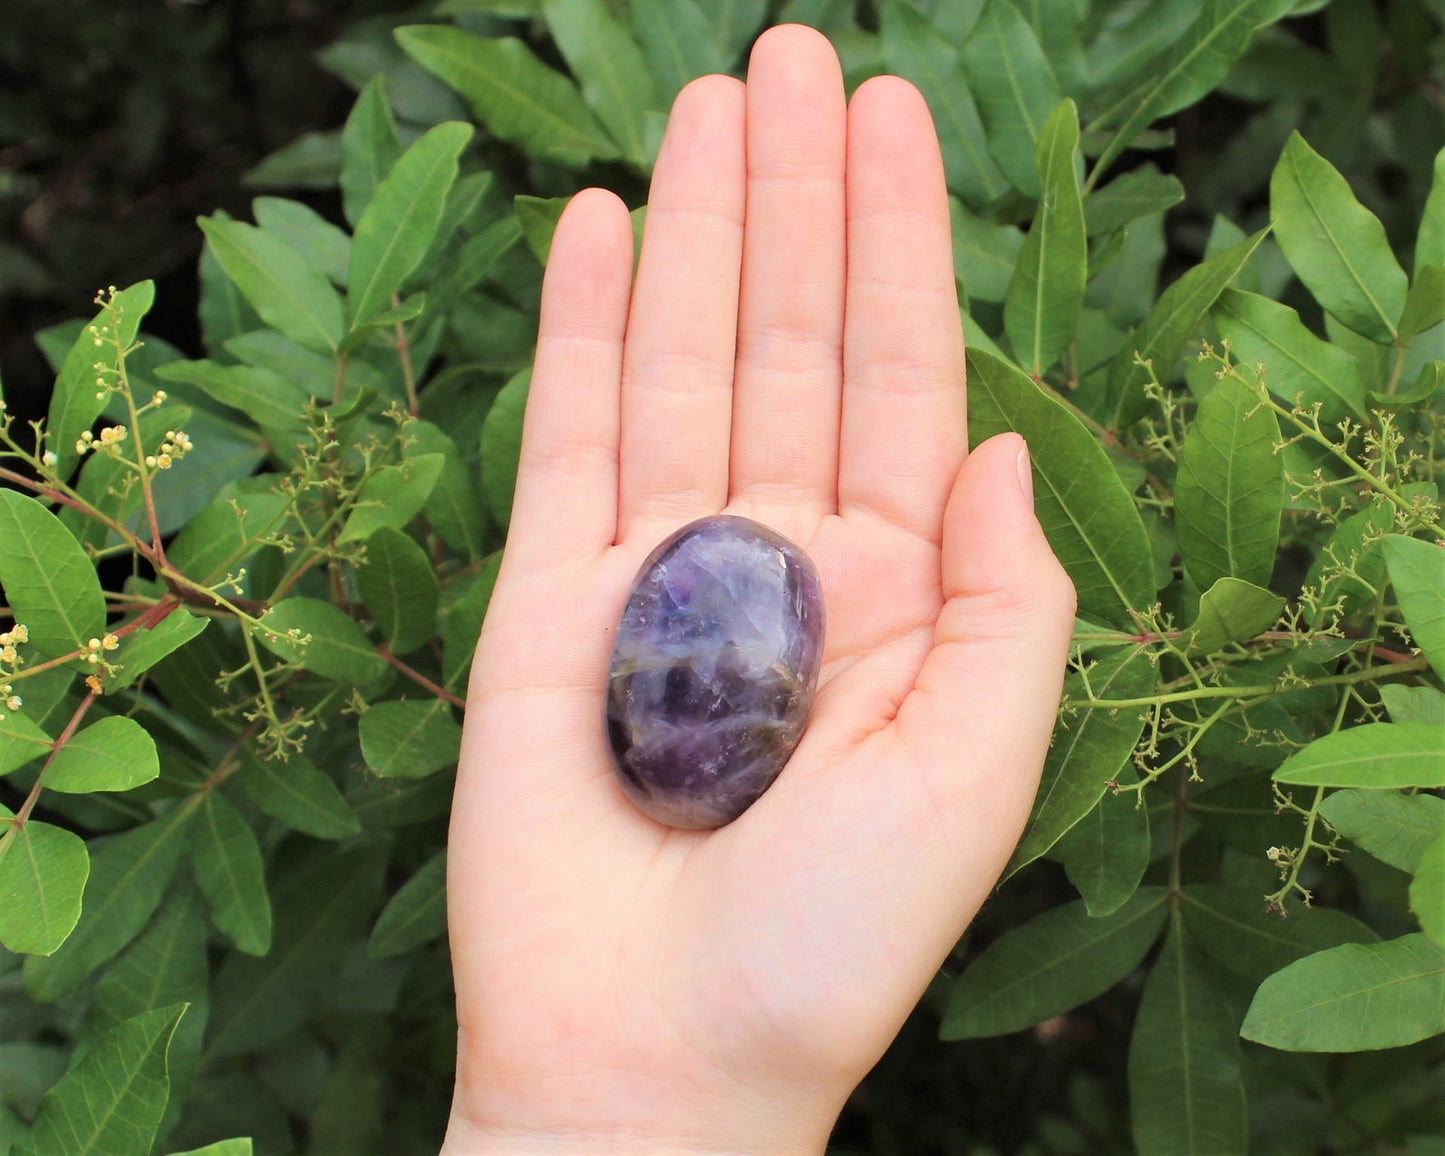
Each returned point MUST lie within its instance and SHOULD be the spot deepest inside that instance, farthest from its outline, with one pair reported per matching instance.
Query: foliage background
(296, 909)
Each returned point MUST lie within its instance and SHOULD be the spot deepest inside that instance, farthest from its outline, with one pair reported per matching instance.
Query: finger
(903, 429)
(790, 312)
(678, 367)
(566, 499)
(991, 684)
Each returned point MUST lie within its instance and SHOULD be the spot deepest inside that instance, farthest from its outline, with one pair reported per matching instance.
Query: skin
(790, 351)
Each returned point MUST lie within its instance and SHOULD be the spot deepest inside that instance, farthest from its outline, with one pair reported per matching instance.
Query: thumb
(984, 704)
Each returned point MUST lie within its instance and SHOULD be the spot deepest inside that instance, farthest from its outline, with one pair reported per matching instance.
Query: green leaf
(1353, 998)
(225, 534)
(22, 738)
(416, 914)
(1299, 368)
(1430, 243)
(1392, 827)
(1335, 245)
(1141, 192)
(734, 24)
(1089, 750)
(238, 1147)
(1409, 704)
(1424, 304)
(537, 217)
(614, 74)
(409, 739)
(1016, 90)
(1427, 890)
(338, 648)
(310, 234)
(1232, 611)
(1427, 385)
(42, 874)
(319, 910)
(1199, 60)
(266, 397)
(501, 444)
(112, 1101)
(369, 147)
(392, 496)
(399, 586)
(50, 584)
(465, 268)
(984, 253)
(1046, 293)
(1238, 931)
(1171, 322)
(166, 965)
(401, 220)
(128, 875)
(1131, 38)
(679, 43)
(288, 292)
(311, 161)
(73, 404)
(1053, 963)
(142, 649)
(299, 795)
(1375, 755)
(1089, 517)
(454, 507)
(232, 875)
(1105, 853)
(1417, 572)
(1229, 489)
(514, 94)
(1186, 1091)
(913, 48)
(114, 754)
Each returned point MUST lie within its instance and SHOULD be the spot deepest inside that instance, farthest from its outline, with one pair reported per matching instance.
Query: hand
(791, 351)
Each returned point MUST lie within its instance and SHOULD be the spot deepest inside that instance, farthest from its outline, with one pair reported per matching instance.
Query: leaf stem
(420, 679)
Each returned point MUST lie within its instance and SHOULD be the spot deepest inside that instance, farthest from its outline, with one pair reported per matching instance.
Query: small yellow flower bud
(21, 633)
(50, 458)
(93, 644)
(151, 460)
(7, 654)
(14, 702)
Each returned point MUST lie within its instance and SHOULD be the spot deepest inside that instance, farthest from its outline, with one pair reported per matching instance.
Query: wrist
(504, 1112)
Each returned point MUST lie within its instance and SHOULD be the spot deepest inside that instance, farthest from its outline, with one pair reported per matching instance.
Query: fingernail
(1026, 474)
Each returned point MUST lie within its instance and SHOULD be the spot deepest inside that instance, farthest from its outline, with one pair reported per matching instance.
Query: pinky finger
(566, 500)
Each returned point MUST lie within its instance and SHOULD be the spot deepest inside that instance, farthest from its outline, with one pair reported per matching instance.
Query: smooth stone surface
(714, 670)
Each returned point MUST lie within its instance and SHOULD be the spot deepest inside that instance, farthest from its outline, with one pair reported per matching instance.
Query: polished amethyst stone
(714, 670)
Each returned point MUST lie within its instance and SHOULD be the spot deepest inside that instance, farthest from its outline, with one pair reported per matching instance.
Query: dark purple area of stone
(713, 671)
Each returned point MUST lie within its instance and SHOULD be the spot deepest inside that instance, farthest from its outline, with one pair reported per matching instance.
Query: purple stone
(714, 670)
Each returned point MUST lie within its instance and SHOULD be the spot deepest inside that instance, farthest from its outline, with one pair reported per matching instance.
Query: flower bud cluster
(176, 446)
(110, 438)
(10, 640)
(95, 646)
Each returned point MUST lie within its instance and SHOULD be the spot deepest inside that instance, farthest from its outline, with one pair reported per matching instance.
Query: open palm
(790, 351)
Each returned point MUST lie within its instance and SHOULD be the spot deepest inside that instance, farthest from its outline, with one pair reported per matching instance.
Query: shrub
(244, 588)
